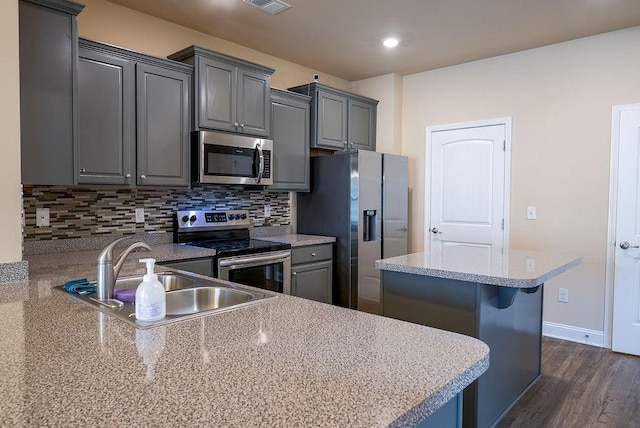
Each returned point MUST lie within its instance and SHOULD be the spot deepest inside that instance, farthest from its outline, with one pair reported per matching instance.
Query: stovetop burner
(240, 247)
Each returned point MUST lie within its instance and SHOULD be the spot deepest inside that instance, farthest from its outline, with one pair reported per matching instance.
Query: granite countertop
(511, 268)
(283, 362)
(298, 240)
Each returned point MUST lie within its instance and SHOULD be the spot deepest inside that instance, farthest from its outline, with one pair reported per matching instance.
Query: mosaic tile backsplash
(80, 212)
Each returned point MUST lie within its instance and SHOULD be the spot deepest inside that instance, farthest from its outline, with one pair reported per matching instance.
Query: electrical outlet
(139, 215)
(531, 213)
(42, 217)
(531, 265)
(267, 211)
(563, 295)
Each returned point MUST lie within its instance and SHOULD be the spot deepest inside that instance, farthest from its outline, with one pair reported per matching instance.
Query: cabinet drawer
(311, 253)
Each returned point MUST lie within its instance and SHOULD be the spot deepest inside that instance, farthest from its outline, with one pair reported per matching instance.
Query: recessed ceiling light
(390, 42)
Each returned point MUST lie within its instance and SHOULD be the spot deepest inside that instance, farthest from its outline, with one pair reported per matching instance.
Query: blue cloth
(80, 286)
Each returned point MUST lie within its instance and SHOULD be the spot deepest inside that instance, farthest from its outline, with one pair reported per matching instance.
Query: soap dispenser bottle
(151, 303)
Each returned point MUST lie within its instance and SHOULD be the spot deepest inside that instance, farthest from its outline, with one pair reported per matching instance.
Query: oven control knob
(243, 216)
(185, 218)
(232, 216)
(193, 218)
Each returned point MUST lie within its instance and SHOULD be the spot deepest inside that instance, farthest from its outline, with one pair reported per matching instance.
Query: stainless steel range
(258, 263)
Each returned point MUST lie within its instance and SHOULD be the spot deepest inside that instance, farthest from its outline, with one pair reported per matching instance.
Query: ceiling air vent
(271, 6)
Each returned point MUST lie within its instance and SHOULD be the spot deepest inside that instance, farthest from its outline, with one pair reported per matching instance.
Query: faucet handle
(107, 254)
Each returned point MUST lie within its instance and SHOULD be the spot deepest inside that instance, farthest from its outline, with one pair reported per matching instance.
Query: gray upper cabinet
(162, 103)
(106, 133)
(48, 98)
(290, 134)
(133, 118)
(340, 120)
(362, 125)
(230, 94)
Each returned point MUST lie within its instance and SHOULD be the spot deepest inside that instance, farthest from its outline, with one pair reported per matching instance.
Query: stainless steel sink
(171, 281)
(200, 299)
(187, 297)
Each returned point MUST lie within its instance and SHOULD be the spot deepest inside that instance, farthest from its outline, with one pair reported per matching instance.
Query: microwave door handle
(260, 163)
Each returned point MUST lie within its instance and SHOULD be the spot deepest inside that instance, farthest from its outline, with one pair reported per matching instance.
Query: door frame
(507, 122)
(612, 215)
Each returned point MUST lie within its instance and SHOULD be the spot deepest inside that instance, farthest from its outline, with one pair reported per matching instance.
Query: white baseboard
(573, 334)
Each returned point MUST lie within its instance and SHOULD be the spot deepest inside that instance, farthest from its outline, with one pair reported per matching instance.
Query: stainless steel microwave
(220, 158)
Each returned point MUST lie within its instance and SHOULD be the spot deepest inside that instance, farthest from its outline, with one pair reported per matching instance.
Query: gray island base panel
(285, 362)
(496, 298)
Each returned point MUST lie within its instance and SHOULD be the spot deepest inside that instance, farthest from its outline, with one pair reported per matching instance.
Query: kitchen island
(496, 297)
(282, 362)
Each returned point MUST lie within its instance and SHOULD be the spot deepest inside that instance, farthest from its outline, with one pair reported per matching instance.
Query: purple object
(127, 295)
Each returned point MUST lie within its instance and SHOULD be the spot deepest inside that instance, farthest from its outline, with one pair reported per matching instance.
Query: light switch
(531, 213)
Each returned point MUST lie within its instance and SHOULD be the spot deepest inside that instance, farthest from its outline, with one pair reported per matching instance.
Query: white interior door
(467, 189)
(626, 285)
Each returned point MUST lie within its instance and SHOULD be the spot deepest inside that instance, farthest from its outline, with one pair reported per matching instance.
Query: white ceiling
(343, 37)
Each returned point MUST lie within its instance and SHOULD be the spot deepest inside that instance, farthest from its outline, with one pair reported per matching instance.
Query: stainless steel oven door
(269, 271)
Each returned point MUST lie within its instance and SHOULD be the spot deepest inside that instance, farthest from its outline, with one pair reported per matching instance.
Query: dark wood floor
(581, 386)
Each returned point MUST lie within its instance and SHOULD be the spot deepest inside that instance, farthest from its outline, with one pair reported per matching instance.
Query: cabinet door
(203, 266)
(162, 103)
(48, 59)
(216, 95)
(253, 103)
(106, 126)
(331, 114)
(313, 281)
(290, 145)
(362, 125)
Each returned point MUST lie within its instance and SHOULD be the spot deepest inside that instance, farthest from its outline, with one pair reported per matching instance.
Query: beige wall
(388, 90)
(560, 98)
(10, 213)
(109, 23)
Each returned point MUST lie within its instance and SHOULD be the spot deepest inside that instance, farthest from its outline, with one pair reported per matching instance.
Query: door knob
(434, 230)
(625, 245)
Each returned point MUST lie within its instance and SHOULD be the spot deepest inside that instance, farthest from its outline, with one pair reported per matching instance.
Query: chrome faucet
(108, 271)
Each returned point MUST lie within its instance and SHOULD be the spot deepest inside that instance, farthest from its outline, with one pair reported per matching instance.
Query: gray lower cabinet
(133, 118)
(340, 120)
(312, 272)
(48, 99)
(201, 266)
(230, 94)
(290, 135)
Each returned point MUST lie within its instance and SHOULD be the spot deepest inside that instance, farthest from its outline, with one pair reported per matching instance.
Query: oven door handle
(233, 263)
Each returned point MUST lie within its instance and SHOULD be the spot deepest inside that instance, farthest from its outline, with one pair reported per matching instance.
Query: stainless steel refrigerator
(361, 198)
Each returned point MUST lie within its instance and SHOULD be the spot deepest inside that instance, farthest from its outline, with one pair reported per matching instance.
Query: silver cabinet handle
(294, 273)
(143, 176)
(625, 245)
(434, 230)
(82, 170)
(242, 125)
(313, 254)
(128, 176)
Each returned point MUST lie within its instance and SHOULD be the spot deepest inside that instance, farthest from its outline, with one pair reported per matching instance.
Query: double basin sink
(187, 297)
